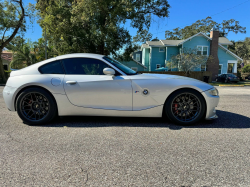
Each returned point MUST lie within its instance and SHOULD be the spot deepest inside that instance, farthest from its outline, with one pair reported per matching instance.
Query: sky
(183, 13)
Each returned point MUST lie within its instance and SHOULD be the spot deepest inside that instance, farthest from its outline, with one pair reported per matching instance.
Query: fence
(195, 74)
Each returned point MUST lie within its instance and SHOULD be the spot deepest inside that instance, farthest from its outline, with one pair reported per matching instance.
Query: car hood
(173, 81)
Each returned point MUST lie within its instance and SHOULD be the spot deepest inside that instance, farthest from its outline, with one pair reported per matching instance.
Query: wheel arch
(34, 86)
(185, 88)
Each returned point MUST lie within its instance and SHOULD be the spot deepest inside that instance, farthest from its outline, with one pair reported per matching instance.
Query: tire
(171, 110)
(226, 81)
(36, 106)
(216, 80)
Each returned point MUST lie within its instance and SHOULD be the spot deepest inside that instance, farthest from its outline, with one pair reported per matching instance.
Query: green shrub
(246, 69)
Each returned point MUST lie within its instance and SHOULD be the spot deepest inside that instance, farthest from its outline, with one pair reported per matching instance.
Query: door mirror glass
(108, 71)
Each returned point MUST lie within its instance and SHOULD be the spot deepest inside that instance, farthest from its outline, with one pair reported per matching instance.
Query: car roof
(80, 55)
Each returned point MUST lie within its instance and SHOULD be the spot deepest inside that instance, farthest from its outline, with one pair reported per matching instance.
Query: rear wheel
(36, 106)
(185, 107)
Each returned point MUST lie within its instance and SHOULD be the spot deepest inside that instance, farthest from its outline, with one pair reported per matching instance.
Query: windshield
(120, 66)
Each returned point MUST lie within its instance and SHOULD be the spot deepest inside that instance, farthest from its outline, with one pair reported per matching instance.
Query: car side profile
(96, 85)
(226, 78)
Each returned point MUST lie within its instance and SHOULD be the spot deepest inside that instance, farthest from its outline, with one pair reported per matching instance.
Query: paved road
(99, 151)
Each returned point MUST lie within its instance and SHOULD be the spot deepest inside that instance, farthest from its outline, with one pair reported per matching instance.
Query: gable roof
(162, 43)
(198, 34)
(154, 43)
(224, 41)
(231, 53)
(140, 64)
(171, 42)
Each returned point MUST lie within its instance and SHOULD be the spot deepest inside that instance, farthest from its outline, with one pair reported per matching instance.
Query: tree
(188, 60)
(246, 69)
(241, 48)
(126, 54)
(142, 37)
(205, 25)
(12, 15)
(96, 26)
(27, 53)
(39, 49)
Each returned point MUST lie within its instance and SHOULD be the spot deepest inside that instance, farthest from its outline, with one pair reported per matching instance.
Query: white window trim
(205, 67)
(157, 65)
(134, 68)
(137, 56)
(221, 68)
(202, 49)
(161, 48)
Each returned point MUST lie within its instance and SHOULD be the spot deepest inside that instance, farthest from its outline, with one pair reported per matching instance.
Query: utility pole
(46, 56)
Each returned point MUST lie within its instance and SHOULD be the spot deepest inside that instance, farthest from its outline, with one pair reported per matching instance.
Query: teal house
(155, 54)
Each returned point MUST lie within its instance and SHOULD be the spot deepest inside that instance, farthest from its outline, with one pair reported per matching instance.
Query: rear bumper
(8, 96)
(212, 103)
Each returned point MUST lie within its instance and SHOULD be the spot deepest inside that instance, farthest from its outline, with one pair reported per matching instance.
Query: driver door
(86, 85)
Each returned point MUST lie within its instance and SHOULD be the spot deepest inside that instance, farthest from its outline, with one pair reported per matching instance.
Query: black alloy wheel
(36, 106)
(185, 107)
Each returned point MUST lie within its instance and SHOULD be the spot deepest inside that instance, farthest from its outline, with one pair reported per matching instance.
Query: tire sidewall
(52, 109)
(168, 107)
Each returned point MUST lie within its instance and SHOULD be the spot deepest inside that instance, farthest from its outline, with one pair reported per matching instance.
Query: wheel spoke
(186, 107)
(35, 106)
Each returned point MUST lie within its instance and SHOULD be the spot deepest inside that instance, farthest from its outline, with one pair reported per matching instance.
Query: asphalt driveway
(103, 151)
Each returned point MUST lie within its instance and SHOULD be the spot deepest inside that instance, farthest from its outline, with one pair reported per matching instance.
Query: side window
(84, 66)
(52, 68)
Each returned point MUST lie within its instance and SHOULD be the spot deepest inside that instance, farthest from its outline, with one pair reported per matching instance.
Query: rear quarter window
(52, 68)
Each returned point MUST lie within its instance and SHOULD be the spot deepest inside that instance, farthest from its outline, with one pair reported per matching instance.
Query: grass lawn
(241, 83)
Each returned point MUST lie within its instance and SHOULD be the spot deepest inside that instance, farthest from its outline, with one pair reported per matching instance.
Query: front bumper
(8, 96)
(212, 103)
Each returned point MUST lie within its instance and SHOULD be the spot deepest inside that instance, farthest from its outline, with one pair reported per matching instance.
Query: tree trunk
(101, 48)
(2, 74)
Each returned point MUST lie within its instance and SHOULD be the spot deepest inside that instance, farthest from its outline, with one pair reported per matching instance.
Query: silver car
(96, 85)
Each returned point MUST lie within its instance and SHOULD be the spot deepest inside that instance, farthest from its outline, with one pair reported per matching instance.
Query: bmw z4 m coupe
(96, 85)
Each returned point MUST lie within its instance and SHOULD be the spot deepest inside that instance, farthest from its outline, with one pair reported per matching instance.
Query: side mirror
(108, 71)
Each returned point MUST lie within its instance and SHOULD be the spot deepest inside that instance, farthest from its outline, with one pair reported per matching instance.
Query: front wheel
(36, 106)
(185, 107)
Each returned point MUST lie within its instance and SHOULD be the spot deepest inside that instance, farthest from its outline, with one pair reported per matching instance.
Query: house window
(202, 50)
(137, 57)
(203, 67)
(220, 69)
(158, 66)
(5, 67)
(161, 49)
(134, 68)
(230, 68)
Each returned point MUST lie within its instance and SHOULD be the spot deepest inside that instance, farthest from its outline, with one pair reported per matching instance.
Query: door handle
(71, 82)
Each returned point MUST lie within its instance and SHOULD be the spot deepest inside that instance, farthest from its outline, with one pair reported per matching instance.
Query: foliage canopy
(205, 25)
(188, 60)
(96, 26)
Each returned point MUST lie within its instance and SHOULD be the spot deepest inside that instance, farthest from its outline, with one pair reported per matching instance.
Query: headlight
(213, 91)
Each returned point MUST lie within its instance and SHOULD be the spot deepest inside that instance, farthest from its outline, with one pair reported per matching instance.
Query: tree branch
(4, 44)
(4, 34)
